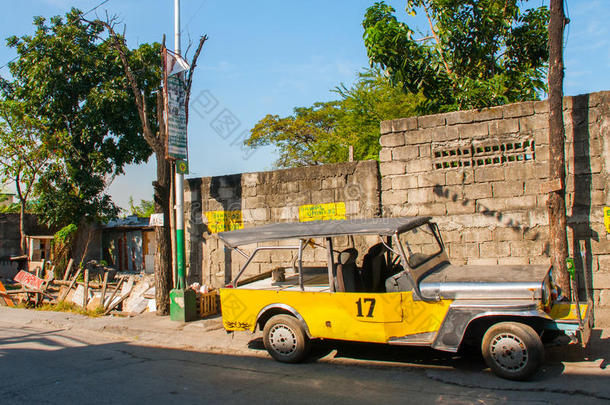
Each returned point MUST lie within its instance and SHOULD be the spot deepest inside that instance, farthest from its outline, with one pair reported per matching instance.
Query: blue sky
(267, 57)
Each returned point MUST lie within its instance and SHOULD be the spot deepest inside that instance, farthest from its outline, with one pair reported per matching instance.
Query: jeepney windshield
(420, 244)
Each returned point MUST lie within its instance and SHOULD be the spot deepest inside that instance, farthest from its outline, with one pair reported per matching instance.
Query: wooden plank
(114, 294)
(65, 294)
(112, 305)
(103, 296)
(68, 269)
(86, 291)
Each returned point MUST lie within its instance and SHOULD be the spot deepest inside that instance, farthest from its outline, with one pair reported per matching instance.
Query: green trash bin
(182, 305)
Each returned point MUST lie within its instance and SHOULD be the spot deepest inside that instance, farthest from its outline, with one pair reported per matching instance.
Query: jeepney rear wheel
(285, 339)
(512, 350)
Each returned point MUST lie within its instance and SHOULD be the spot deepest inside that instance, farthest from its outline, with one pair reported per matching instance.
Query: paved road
(60, 366)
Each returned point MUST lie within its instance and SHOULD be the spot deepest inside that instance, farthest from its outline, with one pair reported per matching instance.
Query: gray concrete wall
(270, 197)
(479, 174)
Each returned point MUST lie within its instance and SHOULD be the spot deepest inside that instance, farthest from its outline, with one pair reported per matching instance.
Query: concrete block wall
(479, 172)
(270, 197)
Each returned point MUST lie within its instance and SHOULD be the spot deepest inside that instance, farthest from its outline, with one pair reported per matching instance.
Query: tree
(478, 53)
(556, 203)
(70, 79)
(323, 132)
(23, 156)
(152, 125)
(144, 209)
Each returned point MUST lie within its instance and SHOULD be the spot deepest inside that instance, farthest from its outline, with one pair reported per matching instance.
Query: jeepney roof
(319, 229)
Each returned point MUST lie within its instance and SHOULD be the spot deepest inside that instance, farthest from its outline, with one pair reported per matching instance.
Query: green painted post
(182, 303)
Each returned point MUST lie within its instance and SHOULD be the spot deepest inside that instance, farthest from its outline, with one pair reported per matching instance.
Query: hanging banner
(174, 91)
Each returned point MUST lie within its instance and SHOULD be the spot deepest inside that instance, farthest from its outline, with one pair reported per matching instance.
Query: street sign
(28, 280)
(176, 119)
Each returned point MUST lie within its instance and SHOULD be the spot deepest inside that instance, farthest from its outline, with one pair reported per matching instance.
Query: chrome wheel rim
(509, 352)
(282, 339)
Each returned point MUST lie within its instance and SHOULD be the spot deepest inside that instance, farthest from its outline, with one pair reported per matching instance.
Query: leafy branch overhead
(69, 78)
(477, 53)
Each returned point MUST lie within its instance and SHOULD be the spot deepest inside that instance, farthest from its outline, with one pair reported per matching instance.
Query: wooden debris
(5, 298)
(68, 269)
(65, 294)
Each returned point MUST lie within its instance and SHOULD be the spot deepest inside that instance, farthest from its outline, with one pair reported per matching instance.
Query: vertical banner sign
(175, 106)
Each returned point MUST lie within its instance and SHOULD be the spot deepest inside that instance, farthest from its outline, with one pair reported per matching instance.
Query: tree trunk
(163, 259)
(23, 246)
(556, 201)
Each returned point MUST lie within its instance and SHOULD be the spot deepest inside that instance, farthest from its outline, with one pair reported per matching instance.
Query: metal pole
(180, 262)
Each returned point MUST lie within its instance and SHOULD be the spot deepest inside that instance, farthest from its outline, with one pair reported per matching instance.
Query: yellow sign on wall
(220, 221)
(321, 212)
(607, 218)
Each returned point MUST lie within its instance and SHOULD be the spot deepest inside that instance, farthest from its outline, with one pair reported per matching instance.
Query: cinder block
(386, 183)
(460, 207)
(603, 263)
(521, 202)
(477, 130)
(425, 150)
(508, 188)
(477, 235)
(478, 191)
(420, 195)
(601, 280)
(385, 127)
(490, 206)
(389, 168)
(519, 109)
(458, 177)
(404, 124)
(488, 174)
(418, 165)
(507, 234)
(432, 209)
(534, 122)
(394, 197)
(505, 126)
(431, 179)
(393, 139)
(495, 249)
(408, 152)
(541, 106)
(486, 114)
(404, 182)
(385, 155)
(459, 117)
(429, 121)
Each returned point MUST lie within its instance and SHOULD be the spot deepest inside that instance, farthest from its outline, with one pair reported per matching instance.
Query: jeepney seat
(348, 278)
(374, 269)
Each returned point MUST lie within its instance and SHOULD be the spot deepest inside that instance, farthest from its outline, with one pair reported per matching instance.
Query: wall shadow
(580, 220)
(227, 190)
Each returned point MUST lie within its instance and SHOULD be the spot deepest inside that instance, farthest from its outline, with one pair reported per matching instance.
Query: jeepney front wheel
(285, 339)
(512, 350)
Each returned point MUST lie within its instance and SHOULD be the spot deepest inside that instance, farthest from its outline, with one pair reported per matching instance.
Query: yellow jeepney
(404, 291)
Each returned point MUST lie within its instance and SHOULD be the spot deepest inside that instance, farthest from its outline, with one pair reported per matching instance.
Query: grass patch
(71, 307)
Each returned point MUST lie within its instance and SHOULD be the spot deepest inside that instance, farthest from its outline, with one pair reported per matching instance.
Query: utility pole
(556, 202)
(182, 300)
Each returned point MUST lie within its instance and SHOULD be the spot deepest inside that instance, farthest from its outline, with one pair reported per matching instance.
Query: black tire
(285, 339)
(512, 350)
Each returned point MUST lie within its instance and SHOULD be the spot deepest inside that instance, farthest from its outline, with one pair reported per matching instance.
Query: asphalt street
(51, 365)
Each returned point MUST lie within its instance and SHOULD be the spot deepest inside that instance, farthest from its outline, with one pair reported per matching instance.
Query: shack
(129, 245)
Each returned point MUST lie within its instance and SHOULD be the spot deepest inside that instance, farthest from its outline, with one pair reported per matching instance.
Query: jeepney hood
(484, 282)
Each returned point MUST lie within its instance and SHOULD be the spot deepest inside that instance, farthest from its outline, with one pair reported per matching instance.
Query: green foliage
(144, 209)
(70, 78)
(323, 132)
(65, 235)
(479, 53)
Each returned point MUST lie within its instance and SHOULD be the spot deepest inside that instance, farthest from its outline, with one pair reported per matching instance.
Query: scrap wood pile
(94, 288)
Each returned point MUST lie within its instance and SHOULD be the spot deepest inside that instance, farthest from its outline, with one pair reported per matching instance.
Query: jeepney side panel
(365, 317)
